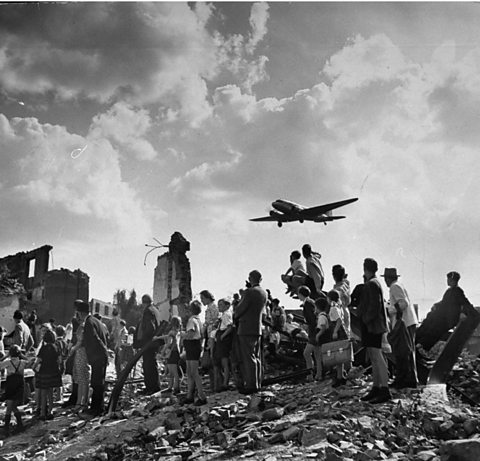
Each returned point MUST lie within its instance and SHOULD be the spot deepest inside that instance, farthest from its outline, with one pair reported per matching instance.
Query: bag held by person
(69, 364)
(336, 352)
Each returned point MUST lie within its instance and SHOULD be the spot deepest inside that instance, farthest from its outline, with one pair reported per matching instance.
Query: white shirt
(195, 324)
(398, 294)
(297, 265)
(226, 319)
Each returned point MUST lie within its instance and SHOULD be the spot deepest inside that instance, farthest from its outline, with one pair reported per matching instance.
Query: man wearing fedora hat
(402, 337)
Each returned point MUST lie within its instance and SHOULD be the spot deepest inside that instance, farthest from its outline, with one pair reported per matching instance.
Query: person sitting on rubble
(15, 365)
(192, 342)
(296, 274)
(316, 277)
(445, 314)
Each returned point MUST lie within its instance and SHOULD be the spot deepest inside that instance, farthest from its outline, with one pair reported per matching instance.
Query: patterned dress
(81, 368)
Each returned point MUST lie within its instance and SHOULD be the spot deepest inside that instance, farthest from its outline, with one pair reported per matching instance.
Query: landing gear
(279, 223)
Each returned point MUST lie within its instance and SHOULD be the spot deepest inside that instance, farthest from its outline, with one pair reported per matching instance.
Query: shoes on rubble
(49, 417)
(382, 396)
(370, 395)
(68, 404)
(246, 391)
(188, 400)
(200, 402)
(403, 385)
(92, 411)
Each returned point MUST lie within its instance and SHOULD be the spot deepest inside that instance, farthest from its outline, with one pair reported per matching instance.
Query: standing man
(146, 329)
(373, 315)
(248, 314)
(314, 269)
(403, 344)
(95, 343)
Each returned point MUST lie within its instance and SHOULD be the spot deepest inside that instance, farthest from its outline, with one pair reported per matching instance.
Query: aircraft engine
(276, 215)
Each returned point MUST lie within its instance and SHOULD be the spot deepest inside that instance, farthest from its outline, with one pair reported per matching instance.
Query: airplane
(285, 211)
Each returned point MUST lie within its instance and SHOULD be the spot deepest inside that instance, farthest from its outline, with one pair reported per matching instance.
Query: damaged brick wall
(51, 293)
(172, 289)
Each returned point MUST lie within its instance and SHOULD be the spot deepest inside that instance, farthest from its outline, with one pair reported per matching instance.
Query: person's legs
(8, 416)
(43, 403)
(190, 380)
(49, 401)
(379, 365)
(307, 355)
(249, 350)
(225, 371)
(198, 380)
(18, 417)
(318, 360)
(150, 371)
(97, 381)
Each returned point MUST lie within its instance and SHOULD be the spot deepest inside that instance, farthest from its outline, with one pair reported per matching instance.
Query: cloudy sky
(120, 122)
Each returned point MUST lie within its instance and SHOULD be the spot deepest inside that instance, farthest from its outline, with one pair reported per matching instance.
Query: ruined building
(52, 292)
(172, 289)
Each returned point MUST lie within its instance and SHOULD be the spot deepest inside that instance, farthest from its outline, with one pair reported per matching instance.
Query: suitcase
(336, 353)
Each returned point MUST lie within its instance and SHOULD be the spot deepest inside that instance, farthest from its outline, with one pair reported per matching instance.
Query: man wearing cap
(402, 337)
(146, 329)
(95, 343)
(445, 314)
(373, 315)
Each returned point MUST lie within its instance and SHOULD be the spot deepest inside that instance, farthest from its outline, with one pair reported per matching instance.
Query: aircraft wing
(265, 218)
(322, 209)
(278, 218)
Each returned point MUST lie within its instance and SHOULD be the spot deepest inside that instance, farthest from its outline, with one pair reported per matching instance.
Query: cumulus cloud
(81, 197)
(393, 132)
(126, 127)
(258, 21)
(143, 52)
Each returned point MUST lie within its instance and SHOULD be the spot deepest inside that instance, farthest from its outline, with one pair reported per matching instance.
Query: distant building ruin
(172, 284)
(51, 293)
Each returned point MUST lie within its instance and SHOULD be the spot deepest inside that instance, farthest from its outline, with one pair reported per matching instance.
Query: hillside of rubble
(292, 420)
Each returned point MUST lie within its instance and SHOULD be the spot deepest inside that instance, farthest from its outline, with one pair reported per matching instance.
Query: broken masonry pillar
(172, 284)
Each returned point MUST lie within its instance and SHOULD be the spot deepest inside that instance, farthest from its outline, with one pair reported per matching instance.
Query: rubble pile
(465, 376)
(285, 421)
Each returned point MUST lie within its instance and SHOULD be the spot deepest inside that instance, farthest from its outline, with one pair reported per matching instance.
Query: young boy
(298, 271)
(223, 345)
(15, 365)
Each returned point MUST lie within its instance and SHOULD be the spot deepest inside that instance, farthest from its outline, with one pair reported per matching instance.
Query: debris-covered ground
(285, 421)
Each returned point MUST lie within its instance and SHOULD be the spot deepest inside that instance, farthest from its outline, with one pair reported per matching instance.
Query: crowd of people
(232, 340)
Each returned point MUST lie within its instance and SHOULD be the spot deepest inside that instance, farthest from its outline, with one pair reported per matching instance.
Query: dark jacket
(95, 340)
(248, 312)
(147, 327)
(372, 307)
